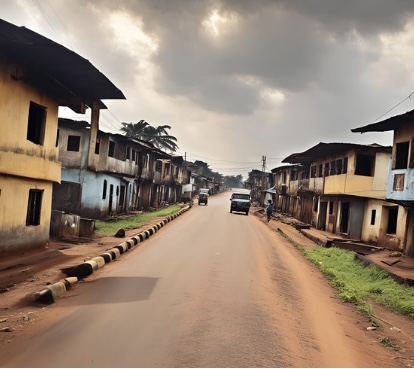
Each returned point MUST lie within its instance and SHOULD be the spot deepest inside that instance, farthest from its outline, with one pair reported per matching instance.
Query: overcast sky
(241, 79)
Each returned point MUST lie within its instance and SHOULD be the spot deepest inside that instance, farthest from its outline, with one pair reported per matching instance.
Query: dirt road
(239, 296)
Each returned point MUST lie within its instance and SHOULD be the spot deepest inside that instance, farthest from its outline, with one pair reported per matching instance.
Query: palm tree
(135, 130)
(158, 136)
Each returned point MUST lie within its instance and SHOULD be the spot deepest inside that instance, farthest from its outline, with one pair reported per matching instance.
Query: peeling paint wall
(25, 165)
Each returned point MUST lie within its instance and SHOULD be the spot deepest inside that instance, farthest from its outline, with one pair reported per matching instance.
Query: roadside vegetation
(111, 227)
(360, 284)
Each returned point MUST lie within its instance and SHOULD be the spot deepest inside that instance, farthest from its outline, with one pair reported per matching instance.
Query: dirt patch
(35, 271)
(392, 330)
(24, 274)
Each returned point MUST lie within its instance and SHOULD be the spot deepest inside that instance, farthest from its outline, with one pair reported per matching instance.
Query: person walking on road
(269, 210)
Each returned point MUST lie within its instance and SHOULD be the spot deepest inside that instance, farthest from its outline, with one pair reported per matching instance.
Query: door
(343, 226)
(323, 208)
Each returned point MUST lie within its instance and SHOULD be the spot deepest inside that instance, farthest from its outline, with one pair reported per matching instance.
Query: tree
(135, 130)
(158, 136)
(234, 181)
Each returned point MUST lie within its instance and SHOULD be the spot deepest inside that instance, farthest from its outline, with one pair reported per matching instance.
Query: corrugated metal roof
(388, 124)
(322, 150)
(71, 78)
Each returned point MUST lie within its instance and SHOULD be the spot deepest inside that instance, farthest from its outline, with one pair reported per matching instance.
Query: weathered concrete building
(37, 76)
(400, 175)
(121, 175)
(345, 192)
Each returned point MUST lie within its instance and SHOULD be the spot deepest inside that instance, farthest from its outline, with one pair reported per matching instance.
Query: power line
(58, 27)
(56, 24)
(408, 97)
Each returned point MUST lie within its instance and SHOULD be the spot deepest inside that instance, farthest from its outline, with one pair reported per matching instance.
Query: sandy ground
(38, 269)
(20, 317)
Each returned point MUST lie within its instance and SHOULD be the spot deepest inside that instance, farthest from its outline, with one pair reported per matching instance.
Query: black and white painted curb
(88, 267)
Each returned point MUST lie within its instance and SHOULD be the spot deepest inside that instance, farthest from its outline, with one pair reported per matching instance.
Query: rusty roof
(71, 79)
(323, 150)
(388, 124)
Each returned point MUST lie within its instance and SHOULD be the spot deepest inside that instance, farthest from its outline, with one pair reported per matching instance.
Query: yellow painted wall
(14, 196)
(24, 165)
(357, 185)
(19, 155)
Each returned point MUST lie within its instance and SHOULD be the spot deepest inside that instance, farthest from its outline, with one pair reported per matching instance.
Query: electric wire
(408, 97)
(58, 27)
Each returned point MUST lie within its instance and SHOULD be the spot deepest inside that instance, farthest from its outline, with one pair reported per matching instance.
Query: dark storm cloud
(368, 17)
(280, 76)
(284, 45)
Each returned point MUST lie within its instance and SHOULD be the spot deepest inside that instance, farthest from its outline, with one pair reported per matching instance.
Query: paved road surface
(211, 289)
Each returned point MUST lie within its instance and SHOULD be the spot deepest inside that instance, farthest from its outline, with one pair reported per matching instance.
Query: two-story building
(37, 76)
(400, 176)
(346, 190)
(292, 195)
(258, 182)
(121, 175)
(95, 185)
(171, 176)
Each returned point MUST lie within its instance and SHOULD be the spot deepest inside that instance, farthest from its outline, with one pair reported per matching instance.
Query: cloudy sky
(241, 79)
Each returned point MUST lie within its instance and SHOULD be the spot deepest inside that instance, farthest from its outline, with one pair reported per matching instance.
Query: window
(34, 207)
(320, 170)
(294, 174)
(134, 155)
(313, 171)
(339, 166)
(128, 153)
(373, 215)
(304, 174)
(326, 171)
(364, 165)
(57, 138)
(105, 184)
(158, 166)
(111, 151)
(36, 123)
(401, 155)
(345, 167)
(73, 143)
(97, 145)
(411, 164)
(167, 169)
(333, 168)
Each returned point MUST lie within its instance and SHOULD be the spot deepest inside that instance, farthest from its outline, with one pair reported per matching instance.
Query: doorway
(343, 226)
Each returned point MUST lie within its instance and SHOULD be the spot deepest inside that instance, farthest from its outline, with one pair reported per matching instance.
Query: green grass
(359, 284)
(389, 343)
(110, 227)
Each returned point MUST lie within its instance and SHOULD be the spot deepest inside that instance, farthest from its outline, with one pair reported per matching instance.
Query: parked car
(202, 198)
(240, 202)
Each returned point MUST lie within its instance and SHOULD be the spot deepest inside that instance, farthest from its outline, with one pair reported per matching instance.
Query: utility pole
(263, 175)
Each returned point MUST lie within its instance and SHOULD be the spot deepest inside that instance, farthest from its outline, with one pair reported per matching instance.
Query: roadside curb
(85, 269)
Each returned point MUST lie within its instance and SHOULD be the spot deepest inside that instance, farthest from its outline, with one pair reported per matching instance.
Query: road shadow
(117, 290)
